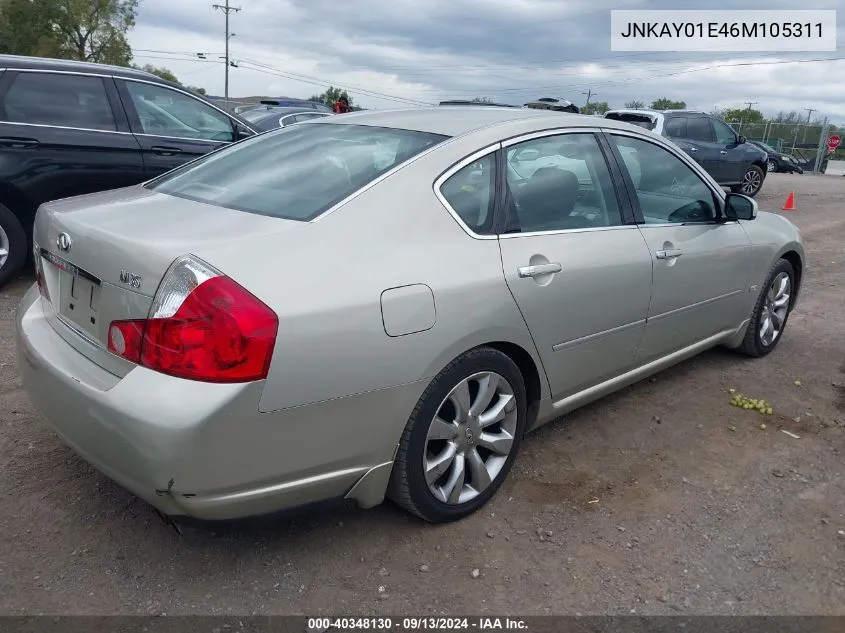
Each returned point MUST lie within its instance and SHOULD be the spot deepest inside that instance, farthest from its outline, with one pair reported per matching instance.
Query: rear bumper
(204, 450)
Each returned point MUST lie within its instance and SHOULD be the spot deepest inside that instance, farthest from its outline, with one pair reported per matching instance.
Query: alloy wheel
(751, 182)
(775, 309)
(770, 166)
(4, 247)
(470, 438)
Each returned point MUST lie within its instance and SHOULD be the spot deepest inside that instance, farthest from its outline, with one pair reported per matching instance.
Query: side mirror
(740, 207)
(741, 140)
(242, 132)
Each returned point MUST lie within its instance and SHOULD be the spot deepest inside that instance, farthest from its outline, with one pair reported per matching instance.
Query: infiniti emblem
(64, 242)
(469, 435)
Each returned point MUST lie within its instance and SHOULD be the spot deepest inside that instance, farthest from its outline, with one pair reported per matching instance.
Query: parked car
(778, 161)
(555, 104)
(289, 102)
(269, 117)
(726, 155)
(69, 128)
(314, 326)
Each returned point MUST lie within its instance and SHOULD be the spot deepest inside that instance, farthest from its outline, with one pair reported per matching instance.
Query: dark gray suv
(713, 144)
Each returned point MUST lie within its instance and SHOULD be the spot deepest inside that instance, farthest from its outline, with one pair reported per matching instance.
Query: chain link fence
(807, 143)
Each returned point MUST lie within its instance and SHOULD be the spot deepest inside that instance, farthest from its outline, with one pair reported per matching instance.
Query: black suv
(712, 143)
(70, 128)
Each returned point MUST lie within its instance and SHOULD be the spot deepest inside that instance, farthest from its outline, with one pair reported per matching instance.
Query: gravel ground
(662, 499)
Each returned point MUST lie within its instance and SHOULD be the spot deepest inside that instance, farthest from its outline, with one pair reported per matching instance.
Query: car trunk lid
(102, 257)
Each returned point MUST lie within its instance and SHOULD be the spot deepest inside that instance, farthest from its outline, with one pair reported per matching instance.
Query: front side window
(166, 112)
(560, 182)
(470, 192)
(668, 190)
(296, 172)
(59, 99)
(724, 134)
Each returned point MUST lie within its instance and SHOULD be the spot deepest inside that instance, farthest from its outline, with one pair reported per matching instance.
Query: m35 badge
(130, 279)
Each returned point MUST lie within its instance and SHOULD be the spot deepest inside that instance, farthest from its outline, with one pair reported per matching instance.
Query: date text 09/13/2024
(481, 624)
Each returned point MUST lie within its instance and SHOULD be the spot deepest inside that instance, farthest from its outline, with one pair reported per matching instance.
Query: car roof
(69, 65)
(282, 110)
(652, 112)
(459, 120)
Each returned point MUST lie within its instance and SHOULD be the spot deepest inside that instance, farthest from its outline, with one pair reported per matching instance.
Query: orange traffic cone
(789, 205)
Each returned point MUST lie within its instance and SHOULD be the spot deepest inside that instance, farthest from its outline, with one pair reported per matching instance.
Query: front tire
(462, 438)
(13, 247)
(771, 312)
(751, 183)
(771, 167)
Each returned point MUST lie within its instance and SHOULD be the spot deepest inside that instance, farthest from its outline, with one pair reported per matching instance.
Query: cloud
(390, 53)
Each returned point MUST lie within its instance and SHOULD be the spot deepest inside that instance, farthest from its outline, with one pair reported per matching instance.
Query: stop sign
(833, 142)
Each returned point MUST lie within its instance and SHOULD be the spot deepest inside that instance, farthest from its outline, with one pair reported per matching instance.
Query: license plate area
(78, 303)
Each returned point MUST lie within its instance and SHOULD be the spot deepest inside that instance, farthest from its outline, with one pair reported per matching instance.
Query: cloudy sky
(397, 53)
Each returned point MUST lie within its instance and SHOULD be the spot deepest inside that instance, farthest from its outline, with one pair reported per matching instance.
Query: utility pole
(809, 114)
(589, 94)
(750, 103)
(226, 9)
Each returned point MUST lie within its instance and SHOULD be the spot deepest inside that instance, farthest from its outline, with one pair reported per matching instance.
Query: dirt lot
(698, 510)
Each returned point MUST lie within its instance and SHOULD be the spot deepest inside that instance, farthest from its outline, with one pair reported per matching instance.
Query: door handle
(693, 149)
(165, 151)
(18, 142)
(723, 152)
(539, 270)
(669, 253)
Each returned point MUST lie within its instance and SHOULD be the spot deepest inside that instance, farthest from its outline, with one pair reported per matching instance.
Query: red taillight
(202, 327)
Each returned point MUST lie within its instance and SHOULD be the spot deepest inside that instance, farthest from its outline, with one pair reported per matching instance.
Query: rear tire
(771, 312)
(13, 245)
(458, 446)
(751, 183)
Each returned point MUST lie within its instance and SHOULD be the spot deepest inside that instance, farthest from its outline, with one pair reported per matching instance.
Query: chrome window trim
(60, 72)
(65, 127)
(88, 129)
(530, 136)
(287, 116)
(455, 168)
(589, 229)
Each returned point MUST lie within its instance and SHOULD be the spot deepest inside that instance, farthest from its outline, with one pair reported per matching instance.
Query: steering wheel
(697, 211)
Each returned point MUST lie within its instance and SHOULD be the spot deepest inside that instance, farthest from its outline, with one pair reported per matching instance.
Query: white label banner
(723, 31)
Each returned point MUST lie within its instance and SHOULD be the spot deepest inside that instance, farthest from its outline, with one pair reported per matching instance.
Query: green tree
(635, 104)
(482, 100)
(86, 30)
(331, 95)
(745, 115)
(162, 72)
(197, 90)
(595, 107)
(667, 104)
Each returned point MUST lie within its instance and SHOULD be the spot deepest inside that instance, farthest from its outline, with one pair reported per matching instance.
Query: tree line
(82, 30)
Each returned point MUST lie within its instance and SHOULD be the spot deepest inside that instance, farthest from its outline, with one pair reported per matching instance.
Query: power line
(226, 9)
(323, 83)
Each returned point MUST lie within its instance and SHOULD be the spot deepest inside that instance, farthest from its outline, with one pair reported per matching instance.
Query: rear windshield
(643, 120)
(295, 173)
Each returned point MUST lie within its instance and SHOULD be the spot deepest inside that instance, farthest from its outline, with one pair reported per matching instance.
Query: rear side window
(470, 192)
(698, 129)
(59, 99)
(642, 120)
(676, 127)
(297, 172)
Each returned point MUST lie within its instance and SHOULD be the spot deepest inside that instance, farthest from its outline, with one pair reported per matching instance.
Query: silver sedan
(383, 304)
